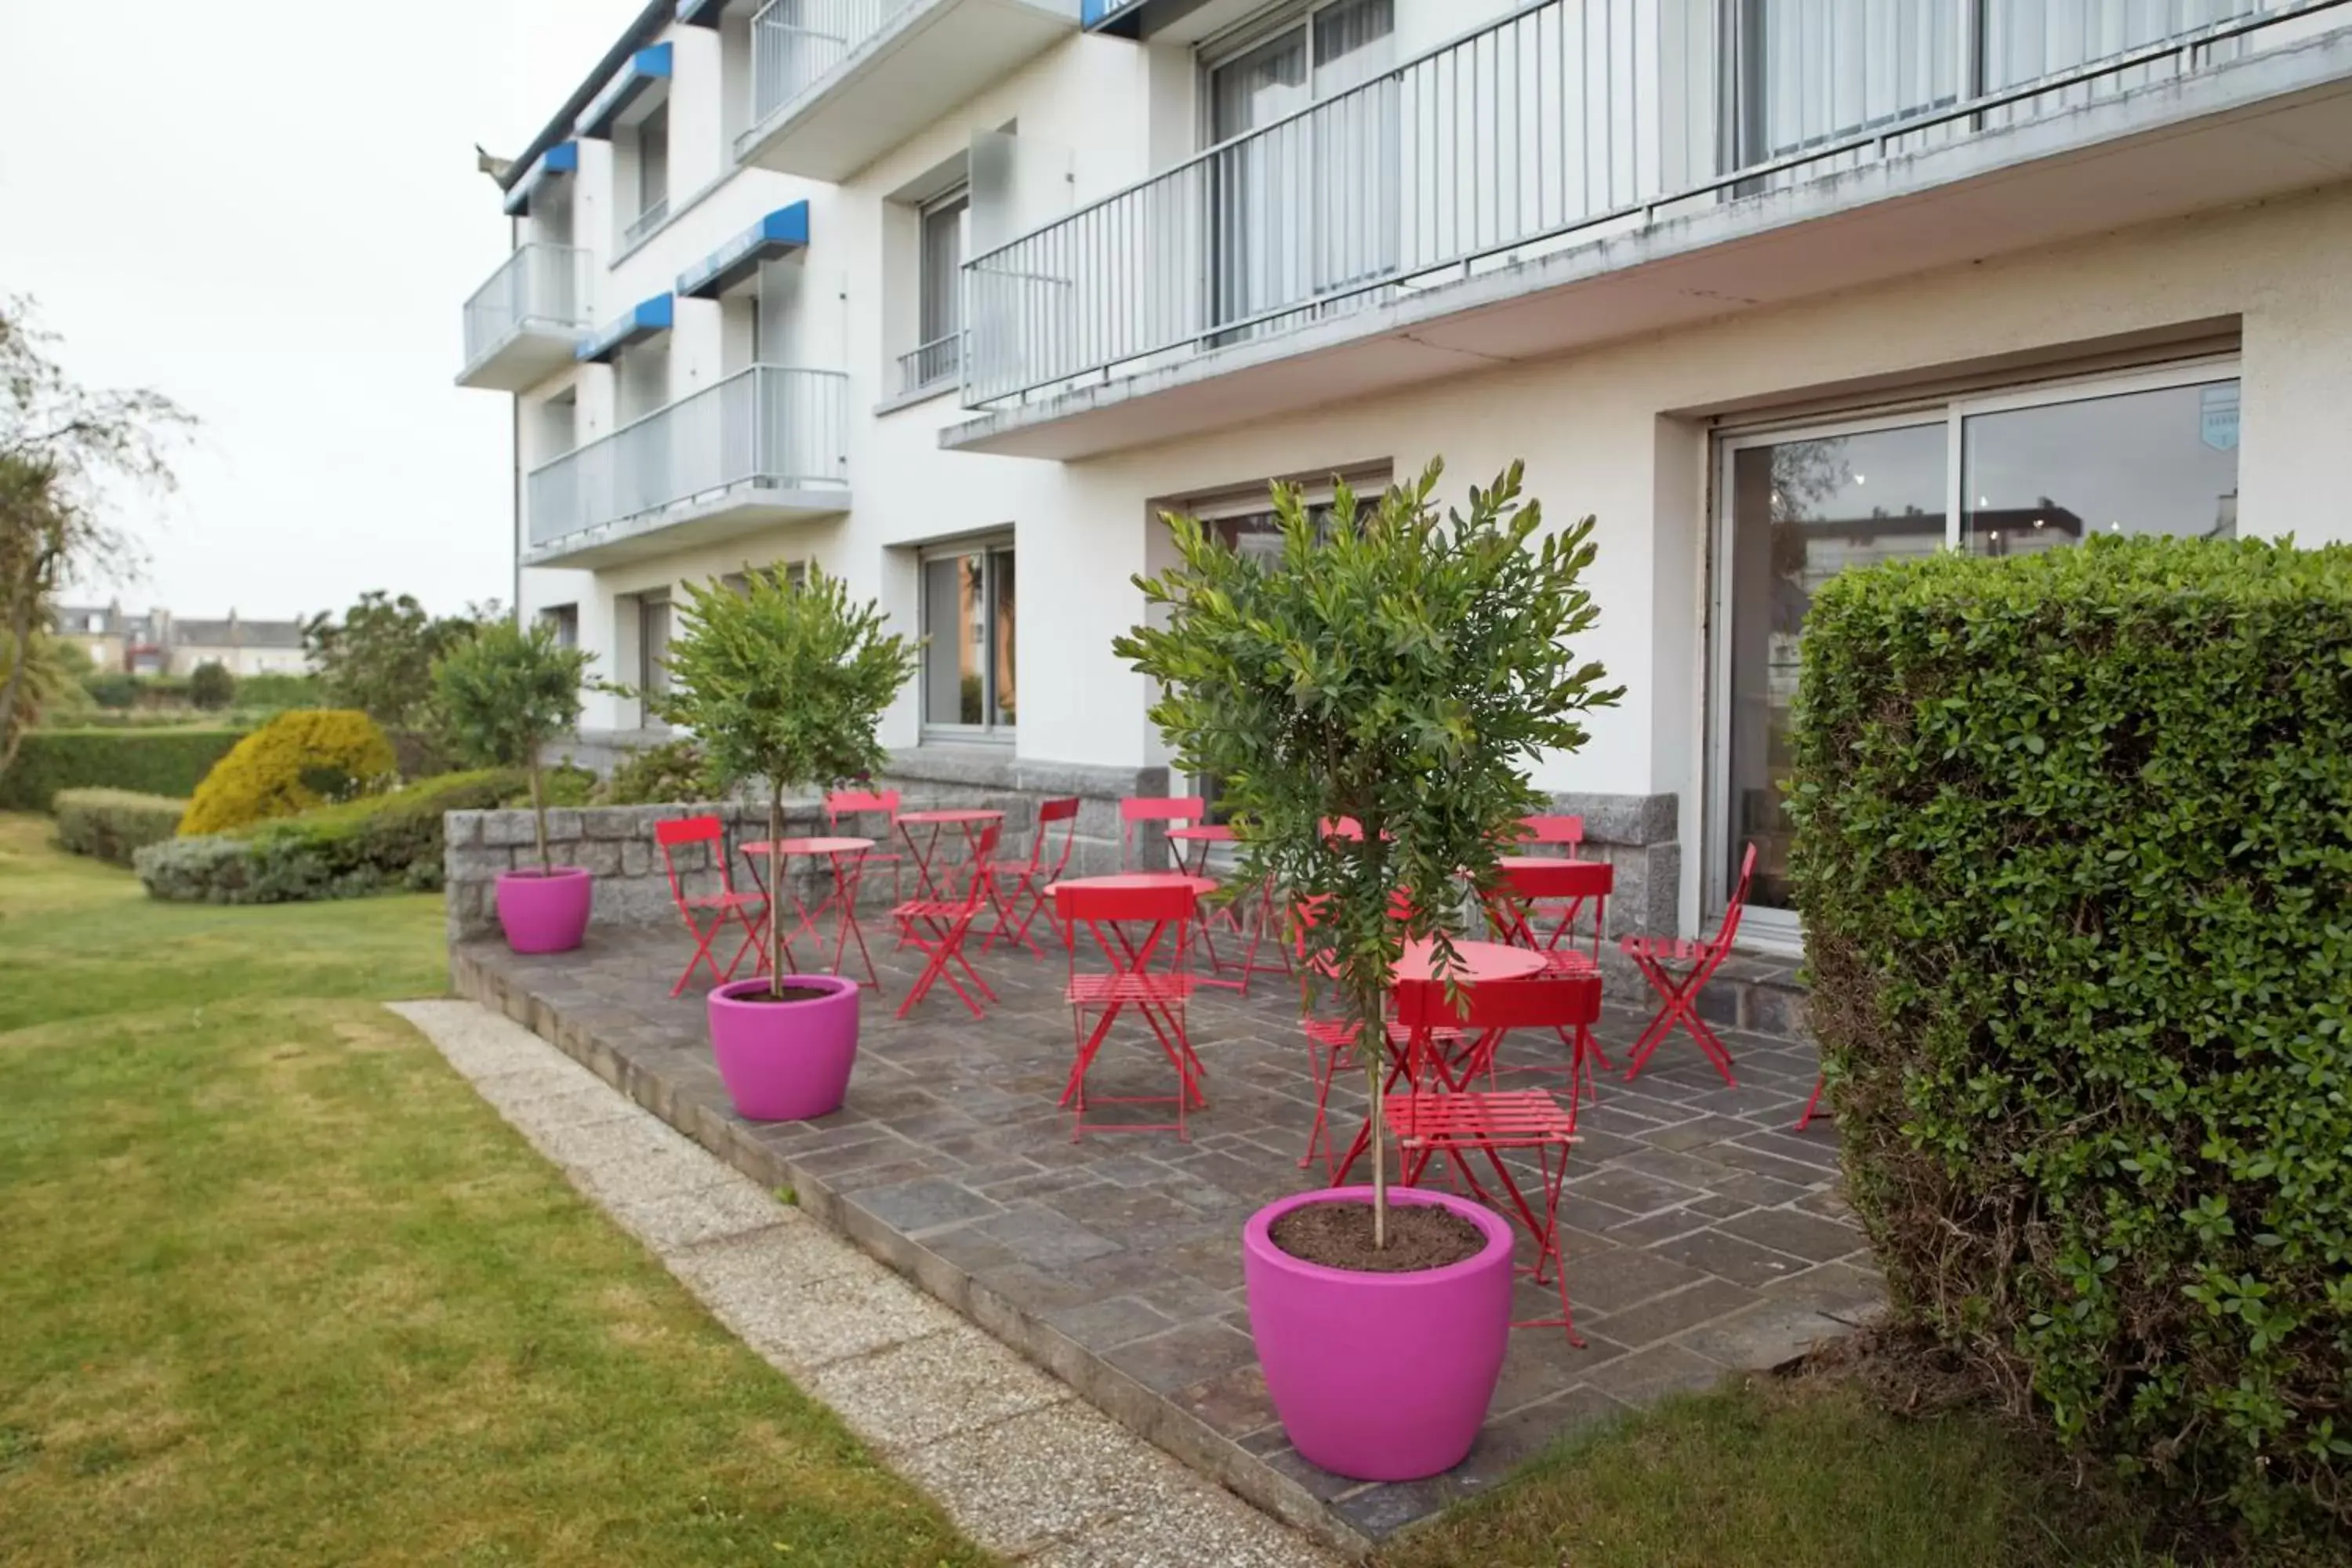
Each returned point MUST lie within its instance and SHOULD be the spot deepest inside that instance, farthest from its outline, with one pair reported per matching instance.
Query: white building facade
(953, 297)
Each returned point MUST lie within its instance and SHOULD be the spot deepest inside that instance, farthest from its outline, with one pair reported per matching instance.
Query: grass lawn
(277, 1287)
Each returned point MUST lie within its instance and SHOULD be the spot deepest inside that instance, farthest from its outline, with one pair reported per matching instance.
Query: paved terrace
(1703, 1235)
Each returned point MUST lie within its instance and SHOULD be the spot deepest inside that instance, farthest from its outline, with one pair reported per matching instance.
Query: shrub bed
(303, 758)
(110, 823)
(2074, 857)
(147, 762)
(383, 842)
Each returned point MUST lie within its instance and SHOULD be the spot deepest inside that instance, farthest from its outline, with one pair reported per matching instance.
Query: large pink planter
(545, 913)
(1382, 1377)
(785, 1061)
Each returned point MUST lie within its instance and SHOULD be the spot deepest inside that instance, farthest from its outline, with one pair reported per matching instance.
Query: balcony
(763, 447)
(524, 323)
(837, 83)
(1587, 170)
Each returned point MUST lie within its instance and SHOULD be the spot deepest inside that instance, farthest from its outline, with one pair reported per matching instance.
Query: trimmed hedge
(2074, 856)
(303, 758)
(384, 843)
(147, 762)
(110, 824)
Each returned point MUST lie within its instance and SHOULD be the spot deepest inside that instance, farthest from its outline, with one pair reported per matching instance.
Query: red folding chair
(1033, 879)
(1813, 1105)
(1679, 995)
(1549, 888)
(1136, 811)
(1150, 973)
(1563, 832)
(1435, 1117)
(1331, 1042)
(937, 927)
(844, 809)
(748, 909)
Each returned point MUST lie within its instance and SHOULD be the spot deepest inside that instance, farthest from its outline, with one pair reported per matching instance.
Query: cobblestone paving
(1703, 1235)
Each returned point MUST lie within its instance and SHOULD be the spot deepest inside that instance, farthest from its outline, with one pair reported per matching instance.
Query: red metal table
(1474, 961)
(925, 855)
(848, 858)
(1158, 996)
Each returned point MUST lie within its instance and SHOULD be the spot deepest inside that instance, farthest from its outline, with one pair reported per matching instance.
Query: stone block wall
(615, 843)
(1640, 836)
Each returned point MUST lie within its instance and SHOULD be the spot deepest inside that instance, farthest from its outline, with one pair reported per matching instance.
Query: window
(968, 621)
(2155, 452)
(653, 650)
(565, 620)
(795, 576)
(939, 323)
(653, 175)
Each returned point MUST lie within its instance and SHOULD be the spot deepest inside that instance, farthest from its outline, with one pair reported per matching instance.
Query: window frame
(1781, 930)
(988, 732)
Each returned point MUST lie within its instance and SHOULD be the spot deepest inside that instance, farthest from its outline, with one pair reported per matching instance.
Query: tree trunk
(20, 631)
(539, 810)
(776, 890)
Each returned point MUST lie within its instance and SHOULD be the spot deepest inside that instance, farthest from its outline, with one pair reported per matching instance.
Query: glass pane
(1819, 69)
(2142, 462)
(2025, 39)
(951, 620)
(1803, 511)
(1351, 42)
(1001, 620)
(942, 285)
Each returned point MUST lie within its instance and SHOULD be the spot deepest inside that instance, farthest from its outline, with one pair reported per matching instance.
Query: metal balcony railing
(796, 44)
(769, 425)
(538, 285)
(1532, 132)
(930, 365)
(655, 214)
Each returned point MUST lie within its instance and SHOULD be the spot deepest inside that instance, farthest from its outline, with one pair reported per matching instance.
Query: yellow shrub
(302, 758)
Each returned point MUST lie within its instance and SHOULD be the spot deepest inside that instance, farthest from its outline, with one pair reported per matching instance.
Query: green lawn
(277, 1287)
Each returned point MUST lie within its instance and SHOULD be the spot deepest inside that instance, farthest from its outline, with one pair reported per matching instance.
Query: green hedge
(148, 762)
(383, 843)
(2074, 857)
(110, 823)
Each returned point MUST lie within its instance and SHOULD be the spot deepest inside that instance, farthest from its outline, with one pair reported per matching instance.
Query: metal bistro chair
(1678, 994)
(1030, 882)
(844, 808)
(748, 909)
(1458, 1124)
(937, 927)
(1150, 973)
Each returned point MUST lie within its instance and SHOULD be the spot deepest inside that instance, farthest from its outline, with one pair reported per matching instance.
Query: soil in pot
(789, 994)
(1340, 1235)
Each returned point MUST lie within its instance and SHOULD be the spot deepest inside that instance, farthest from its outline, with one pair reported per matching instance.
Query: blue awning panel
(557, 161)
(650, 319)
(701, 12)
(1133, 18)
(780, 233)
(647, 71)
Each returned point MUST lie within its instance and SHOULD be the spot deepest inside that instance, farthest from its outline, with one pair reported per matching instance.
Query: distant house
(158, 643)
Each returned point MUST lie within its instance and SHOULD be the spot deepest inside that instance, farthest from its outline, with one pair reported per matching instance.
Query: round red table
(848, 858)
(1473, 962)
(1136, 879)
(970, 820)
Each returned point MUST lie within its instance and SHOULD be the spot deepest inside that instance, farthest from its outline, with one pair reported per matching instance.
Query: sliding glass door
(1997, 475)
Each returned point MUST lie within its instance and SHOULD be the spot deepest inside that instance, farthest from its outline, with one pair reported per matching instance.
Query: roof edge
(649, 25)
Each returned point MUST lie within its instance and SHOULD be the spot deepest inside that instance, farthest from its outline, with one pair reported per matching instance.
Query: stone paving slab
(1021, 1465)
(1703, 1237)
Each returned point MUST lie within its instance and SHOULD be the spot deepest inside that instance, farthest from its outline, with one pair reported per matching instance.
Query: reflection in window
(968, 627)
(2144, 462)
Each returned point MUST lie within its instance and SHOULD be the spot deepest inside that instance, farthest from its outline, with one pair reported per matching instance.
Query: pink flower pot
(545, 913)
(785, 1061)
(1382, 1377)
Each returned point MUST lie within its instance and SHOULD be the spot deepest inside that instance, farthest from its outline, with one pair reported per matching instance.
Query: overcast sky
(268, 210)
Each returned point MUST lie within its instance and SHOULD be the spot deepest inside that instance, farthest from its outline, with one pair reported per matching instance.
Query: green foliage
(2075, 862)
(169, 761)
(379, 658)
(211, 687)
(110, 823)
(302, 758)
(112, 688)
(785, 682)
(272, 693)
(1389, 666)
(665, 775)
(384, 843)
(506, 692)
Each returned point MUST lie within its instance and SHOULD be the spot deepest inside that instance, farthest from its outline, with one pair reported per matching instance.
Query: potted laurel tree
(1404, 670)
(506, 691)
(785, 683)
